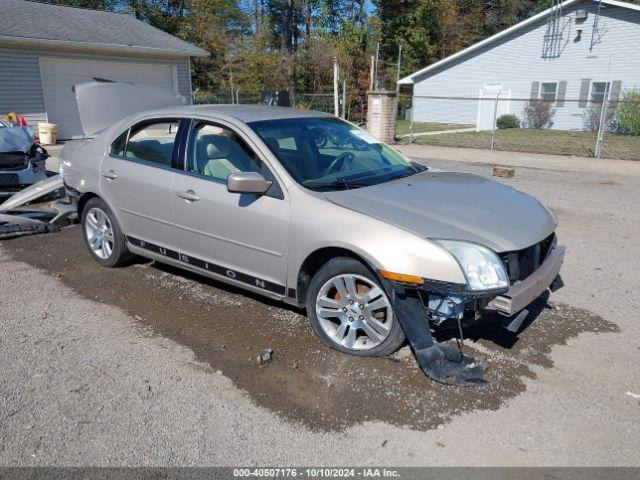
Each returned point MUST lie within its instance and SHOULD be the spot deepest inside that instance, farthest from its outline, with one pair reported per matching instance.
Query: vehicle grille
(13, 161)
(8, 180)
(522, 263)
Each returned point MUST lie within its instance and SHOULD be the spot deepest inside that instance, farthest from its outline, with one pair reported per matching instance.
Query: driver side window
(217, 152)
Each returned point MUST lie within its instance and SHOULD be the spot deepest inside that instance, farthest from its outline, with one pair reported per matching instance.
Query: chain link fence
(351, 107)
(322, 102)
(598, 126)
(586, 127)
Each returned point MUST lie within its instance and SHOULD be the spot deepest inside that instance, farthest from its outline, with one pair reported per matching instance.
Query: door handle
(189, 196)
(110, 175)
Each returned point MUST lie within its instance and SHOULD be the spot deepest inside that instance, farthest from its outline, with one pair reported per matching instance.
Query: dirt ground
(552, 377)
(306, 381)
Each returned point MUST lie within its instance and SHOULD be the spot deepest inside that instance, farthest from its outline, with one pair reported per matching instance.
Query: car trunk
(102, 103)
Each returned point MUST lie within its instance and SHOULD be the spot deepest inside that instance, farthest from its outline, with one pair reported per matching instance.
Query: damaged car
(22, 161)
(377, 248)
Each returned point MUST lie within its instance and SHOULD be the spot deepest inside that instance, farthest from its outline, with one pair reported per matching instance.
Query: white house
(567, 54)
(46, 49)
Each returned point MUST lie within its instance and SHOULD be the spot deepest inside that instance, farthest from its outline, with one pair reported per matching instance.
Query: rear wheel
(102, 234)
(350, 311)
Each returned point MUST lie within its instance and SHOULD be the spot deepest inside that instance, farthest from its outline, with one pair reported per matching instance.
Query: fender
(384, 246)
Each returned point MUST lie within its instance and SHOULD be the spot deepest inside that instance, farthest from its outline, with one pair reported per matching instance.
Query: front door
(242, 237)
(136, 179)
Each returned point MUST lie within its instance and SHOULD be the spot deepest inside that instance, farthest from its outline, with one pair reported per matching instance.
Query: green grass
(402, 127)
(555, 142)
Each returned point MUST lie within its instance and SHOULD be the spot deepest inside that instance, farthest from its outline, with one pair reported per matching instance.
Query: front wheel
(350, 311)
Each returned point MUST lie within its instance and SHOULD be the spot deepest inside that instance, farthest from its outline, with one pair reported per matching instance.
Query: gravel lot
(147, 365)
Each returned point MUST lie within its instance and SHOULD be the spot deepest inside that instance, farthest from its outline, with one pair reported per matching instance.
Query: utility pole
(398, 74)
(372, 72)
(344, 99)
(375, 79)
(495, 116)
(336, 94)
(411, 125)
(398, 82)
(603, 113)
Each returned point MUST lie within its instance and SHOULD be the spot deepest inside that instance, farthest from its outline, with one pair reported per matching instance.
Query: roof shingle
(28, 20)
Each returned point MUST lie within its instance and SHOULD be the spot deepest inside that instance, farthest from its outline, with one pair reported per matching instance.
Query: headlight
(481, 266)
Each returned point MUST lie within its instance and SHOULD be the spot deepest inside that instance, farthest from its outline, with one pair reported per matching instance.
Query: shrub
(628, 113)
(538, 114)
(508, 121)
(592, 116)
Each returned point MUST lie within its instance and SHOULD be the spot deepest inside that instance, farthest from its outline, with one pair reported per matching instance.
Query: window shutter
(584, 92)
(562, 93)
(535, 90)
(616, 86)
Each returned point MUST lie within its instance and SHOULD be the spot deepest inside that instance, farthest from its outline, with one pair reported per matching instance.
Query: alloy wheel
(99, 233)
(354, 312)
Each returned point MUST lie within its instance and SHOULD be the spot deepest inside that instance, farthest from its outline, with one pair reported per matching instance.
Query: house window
(548, 91)
(598, 91)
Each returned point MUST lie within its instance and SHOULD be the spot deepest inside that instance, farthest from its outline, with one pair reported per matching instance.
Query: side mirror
(247, 182)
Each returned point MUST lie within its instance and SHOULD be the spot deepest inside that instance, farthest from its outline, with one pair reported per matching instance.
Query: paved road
(144, 365)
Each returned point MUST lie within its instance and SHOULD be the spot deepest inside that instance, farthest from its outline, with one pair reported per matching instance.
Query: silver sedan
(306, 208)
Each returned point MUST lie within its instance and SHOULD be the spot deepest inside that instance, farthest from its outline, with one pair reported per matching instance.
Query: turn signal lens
(399, 277)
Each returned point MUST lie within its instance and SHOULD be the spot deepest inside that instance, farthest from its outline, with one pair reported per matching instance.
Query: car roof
(244, 113)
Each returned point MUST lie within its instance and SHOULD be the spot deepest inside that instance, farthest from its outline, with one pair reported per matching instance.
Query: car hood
(449, 205)
(102, 103)
(16, 139)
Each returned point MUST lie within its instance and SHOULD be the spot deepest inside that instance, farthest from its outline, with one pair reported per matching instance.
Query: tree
(217, 26)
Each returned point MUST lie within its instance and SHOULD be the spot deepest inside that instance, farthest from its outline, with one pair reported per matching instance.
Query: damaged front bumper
(13, 181)
(523, 293)
(20, 169)
(417, 308)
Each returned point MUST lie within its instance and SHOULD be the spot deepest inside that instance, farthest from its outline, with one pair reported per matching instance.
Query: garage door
(59, 76)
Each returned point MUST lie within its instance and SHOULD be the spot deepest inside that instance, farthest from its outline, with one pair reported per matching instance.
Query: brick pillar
(381, 114)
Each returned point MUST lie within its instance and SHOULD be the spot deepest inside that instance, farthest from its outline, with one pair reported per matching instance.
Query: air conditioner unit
(581, 15)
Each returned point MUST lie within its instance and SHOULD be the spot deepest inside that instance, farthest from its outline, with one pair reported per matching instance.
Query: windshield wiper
(400, 175)
(338, 183)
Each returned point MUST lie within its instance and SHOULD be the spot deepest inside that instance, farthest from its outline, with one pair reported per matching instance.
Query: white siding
(517, 61)
(184, 78)
(20, 85)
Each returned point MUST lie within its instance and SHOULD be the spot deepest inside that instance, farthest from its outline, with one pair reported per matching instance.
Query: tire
(103, 235)
(363, 324)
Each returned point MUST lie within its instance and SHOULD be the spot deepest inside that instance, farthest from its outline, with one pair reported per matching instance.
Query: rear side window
(152, 142)
(119, 144)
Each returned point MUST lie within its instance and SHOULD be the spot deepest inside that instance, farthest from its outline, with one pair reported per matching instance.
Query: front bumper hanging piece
(439, 362)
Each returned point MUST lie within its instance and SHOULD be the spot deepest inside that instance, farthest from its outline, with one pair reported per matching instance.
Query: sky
(369, 6)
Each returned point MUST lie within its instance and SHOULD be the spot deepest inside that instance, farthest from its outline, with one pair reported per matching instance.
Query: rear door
(242, 237)
(136, 179)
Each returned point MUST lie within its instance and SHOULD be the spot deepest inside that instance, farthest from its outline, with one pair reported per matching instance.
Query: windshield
(328, 153)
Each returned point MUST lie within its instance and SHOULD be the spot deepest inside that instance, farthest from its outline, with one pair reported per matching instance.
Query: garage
(45, 49)
(60, 75)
